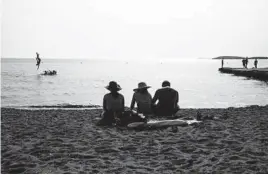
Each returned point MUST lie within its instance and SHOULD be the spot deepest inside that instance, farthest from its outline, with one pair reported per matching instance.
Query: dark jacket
(168, 99)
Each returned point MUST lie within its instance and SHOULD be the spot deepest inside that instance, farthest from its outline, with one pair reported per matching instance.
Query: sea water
(82, 81)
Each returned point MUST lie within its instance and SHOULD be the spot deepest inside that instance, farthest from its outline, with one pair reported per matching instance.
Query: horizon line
(150, 58)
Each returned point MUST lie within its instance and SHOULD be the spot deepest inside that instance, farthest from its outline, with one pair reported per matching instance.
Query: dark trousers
(110, 118)
(165, 110)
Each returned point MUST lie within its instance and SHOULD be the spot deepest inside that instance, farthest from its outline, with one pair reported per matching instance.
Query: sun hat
(141, 85)
(113, 86)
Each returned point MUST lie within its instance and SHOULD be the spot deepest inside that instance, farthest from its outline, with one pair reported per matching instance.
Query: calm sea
(82, 82)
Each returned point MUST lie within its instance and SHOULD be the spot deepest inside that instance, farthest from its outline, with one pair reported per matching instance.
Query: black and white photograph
(134, 86)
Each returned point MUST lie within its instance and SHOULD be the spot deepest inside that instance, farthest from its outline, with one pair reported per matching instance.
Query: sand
(68, 141)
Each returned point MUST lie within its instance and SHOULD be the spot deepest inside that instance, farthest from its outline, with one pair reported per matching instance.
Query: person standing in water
(256, 63)
(38, 60)
(222, 63)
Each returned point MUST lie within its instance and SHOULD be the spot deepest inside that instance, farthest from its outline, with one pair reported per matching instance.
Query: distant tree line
(237, 57)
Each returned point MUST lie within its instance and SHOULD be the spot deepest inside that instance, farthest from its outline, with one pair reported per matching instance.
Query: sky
(134, 29)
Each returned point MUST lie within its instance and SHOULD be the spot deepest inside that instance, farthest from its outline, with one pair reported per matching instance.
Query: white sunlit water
(82, 82)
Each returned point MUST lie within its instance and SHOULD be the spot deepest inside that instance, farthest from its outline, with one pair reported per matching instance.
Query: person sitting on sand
(168, 99)
(143, 99)
(113, 104)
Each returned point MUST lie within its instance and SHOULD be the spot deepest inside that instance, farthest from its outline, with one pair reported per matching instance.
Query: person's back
(167, 100)
(143, 99)
(144, 102)
(114, 102)
(166, 96)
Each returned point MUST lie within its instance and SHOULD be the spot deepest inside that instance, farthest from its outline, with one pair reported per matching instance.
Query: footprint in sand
(179, 161)
(251, 162)
(235, 157)
(18, 170)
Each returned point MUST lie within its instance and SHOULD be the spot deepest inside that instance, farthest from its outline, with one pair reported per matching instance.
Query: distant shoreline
(237, 58)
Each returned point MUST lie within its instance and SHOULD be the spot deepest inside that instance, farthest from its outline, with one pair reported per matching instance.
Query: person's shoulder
(174, 90)
(120, 95)
(135, 94)
(159, 90)
(107, 95)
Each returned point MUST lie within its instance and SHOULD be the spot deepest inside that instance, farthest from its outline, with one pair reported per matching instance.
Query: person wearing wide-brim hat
(143, 99)
(141, 86)
(113, 103)
(113, 86)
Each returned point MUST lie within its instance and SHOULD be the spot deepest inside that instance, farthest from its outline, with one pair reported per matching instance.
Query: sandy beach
(68, 141)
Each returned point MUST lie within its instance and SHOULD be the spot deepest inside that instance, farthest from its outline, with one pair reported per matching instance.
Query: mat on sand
(162, 123)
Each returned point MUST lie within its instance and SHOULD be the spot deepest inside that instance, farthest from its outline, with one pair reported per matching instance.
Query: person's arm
(155, 98)
(150, 96)
(104, 104)
(123, 103)
(177, 98)
(132, 102)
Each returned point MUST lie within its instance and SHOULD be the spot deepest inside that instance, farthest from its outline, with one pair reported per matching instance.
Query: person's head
(166, 83)
(142, 88)
(113, 87)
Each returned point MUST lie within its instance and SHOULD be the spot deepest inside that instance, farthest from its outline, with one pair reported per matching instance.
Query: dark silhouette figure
(222, 63)
(113, 105)
(38, 60)
(256, 63)
(243, 62)
(168, 99)
(246, 63)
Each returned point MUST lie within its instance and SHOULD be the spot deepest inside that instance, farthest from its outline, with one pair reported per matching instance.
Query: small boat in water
(49, 72)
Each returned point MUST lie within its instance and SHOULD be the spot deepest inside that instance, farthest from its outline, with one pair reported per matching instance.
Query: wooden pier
(259, 73)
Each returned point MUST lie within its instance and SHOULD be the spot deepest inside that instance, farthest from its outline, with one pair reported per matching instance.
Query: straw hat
(141, 85)
(113, 86)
